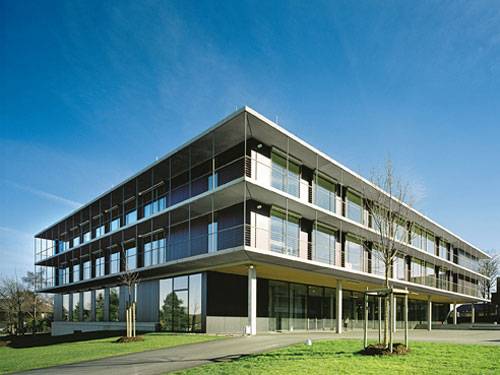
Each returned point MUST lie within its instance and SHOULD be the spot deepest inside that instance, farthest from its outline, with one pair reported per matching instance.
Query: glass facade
(114, 263)
(76, 273)
(180, 304)
(155, 206)
(131, 258)
(65, 307)
(86, 305)
(99, 267)
(114, 304)
(76, 307)
(130, 217)
(115, 224)
(155, 252)
(87, 270)
(354, 207)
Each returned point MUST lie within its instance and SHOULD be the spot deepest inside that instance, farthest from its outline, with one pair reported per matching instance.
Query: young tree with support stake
(489, 268)
(387, 208)
(130, 278)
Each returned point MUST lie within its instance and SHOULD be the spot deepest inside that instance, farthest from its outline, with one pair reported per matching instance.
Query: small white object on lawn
(309, 342)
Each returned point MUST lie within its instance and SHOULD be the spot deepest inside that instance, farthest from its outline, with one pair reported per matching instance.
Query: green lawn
(339, 357)
(19, 359)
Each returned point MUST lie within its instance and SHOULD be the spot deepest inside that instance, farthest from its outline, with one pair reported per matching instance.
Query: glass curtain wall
(114, 304)
(325, 196)
(76, 307)
(99, 305)
(354, 257)
(354, 209)
(285, 174)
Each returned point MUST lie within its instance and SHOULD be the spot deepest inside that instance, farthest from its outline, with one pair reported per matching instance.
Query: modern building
(245, 228)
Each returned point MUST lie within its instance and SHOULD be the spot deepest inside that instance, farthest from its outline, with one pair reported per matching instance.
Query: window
(285, 174)
(115, 224)
(417, 271)
(87, 270)
(99, 305)
(87, 305)
(131, 261)
(417, 238)
(86, 237)
(76, 307)
(155, 206)
(99, 231)
(76, 272)
(284, 232)
(430, 275)
(114, 263)
(130, 217)
(401, 233)
(443, 249)
(212, 237)
(180, 303)
(430, 243)
(153, 252)
(378, 264)
(76, 241)
(65, 307)
(354, 254)
(213, 181)
(325, 194)
(324, 244)
(354, 207)
(399, 268)
(99, 267)
(63, 274)
(114, 304)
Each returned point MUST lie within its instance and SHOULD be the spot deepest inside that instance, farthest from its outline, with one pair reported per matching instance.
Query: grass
(340, 357)
(33, 356)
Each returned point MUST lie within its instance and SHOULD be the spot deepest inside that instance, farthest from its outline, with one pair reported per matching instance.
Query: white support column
(429, 314)
(395, 315)
(339, 306)
(473, 317)
(455, 314)
(252, 300)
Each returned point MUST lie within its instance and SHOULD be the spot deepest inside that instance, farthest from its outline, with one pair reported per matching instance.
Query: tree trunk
(387, 309)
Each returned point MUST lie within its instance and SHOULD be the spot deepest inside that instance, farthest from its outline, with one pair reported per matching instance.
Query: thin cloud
(45, 195)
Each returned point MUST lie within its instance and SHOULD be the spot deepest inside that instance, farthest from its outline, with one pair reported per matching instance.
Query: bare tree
(32, 279)
(491, 269)
(387, 209)
(130, 279)
(12, 299)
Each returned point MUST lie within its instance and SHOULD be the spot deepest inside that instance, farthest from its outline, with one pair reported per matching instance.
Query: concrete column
(473, 317)
(339, 306)
(395, 315)
(429, 314)
(252, 300)
(405, 313)
(455, 314)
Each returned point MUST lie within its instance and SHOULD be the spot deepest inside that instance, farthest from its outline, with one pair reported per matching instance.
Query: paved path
(185, 356)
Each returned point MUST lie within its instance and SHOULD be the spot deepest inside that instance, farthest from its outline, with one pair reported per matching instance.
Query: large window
(154, 252)
(99, 231)
(114, 263)
(354, 207)
(87, 305)
(212, 236)
(76, 307)
(114, 304)
(99, 267)
(325, 193)
(65, 307)
(155, 206)
(115, 224)
(430, 274)
(417, 271)
(87, 270)
(378, 262)
(324, 244)
(399, 268)
(354, 254)
(76, 241)
(130, 217)
(417, 238)
(76, 272)
(86, 237)
(180, 303)
(400, 231)
(443, 249)
(131, 258)
(430, 243)
(63, 276)
(99, 305)
(285, 174)
(285, 231)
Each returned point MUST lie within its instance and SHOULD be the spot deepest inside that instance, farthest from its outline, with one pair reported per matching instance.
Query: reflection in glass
(114, 304)
(76, 307)
(99, 305)
(87, 305)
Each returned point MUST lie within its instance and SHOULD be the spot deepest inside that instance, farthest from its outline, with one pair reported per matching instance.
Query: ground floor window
(76, 307)
(180, 303)
(99, 305)
(114, 304)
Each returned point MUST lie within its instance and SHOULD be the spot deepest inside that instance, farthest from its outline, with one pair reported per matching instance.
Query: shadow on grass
(30, 341)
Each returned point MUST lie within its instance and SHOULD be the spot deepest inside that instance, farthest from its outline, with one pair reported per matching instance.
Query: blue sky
(92, 91)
